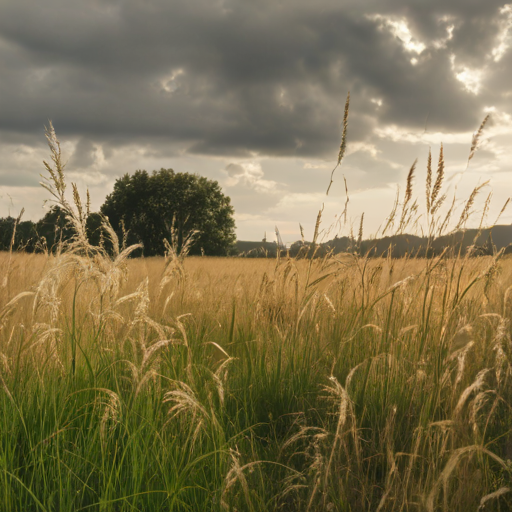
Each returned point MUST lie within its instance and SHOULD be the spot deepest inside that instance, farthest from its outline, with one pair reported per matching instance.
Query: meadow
(341, 383)
(242, 384)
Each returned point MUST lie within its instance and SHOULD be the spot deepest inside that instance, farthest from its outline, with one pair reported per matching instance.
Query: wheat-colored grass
(332, 383)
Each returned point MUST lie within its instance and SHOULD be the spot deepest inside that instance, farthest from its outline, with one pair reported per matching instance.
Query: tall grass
(341, 383)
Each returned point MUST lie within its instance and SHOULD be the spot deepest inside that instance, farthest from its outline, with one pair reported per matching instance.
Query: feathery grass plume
(77, 217)
(410, 177)
(439, 181)
(317, 226)
(47, 295)
(78, 202)
(10, 307)
(476, 406)
(438, 205)
(185, 402)
(428, 185)
(236, 474)
(303, 433)
(140, 378)
(461, 362)
(220, 377)
(77, 261)
(475, 386)
(180, 248)
(57, 184)
(88, 204)
(174, 256)
(360, 232)
(408, 196)
(347, 199)
(111, 412)
(476, 139)
(501, 211)
(343, 144)
(142, 319)
(466, 212)
(153, 350)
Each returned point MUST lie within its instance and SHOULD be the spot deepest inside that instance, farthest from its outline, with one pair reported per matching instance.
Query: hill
(485, 241)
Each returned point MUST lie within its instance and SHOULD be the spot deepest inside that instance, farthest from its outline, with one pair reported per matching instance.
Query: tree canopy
(148, 206)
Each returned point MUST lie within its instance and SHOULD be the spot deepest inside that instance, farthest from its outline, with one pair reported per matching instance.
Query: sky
(251, 93)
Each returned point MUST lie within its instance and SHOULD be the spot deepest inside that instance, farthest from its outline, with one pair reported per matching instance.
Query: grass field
(232, 384)
(340, 384)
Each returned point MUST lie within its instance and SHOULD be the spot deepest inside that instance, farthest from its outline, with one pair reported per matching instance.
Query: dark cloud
(239, 76)
(83, 155)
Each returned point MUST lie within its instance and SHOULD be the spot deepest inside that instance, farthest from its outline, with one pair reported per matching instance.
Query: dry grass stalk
(343, 144)
(347, 199)
(236, 474)
(410, 177)
(111, 412)
(501, 211)
(475, 386)
(429, 181)
(436, 190)
(406, 211)
(317, 226)
(360, 232)
(466, 212)
(476, 138)
(461, 362)
(476, 406)
(450, 467)
(492, 496)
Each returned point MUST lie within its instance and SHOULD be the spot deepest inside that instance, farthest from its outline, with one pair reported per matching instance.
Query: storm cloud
(250, 83)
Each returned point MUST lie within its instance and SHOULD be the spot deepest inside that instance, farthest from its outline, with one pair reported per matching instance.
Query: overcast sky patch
(251, 93)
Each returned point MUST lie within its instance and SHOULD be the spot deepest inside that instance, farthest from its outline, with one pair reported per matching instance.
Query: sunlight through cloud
(400, 29)
(504, 35)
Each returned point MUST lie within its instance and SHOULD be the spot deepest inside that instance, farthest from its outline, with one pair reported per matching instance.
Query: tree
(25, 234)
(54, 228)
(148, 206)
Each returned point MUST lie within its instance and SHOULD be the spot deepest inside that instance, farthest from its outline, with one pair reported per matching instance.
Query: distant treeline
(484, 242)
(43, 235)
(47, 233)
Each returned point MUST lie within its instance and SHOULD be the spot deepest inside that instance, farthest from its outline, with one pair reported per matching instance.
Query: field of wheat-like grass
(237, 384)
(337, 383)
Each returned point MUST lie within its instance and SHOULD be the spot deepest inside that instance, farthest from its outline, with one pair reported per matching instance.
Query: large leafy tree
(148, 206)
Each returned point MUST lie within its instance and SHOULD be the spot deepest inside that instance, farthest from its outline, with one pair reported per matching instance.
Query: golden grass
(328, 384)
